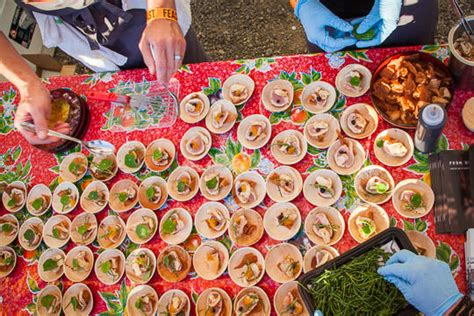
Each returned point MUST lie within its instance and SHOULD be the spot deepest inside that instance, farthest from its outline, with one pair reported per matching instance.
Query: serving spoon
(96, 147)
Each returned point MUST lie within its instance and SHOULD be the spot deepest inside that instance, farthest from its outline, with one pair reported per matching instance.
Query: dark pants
(418, 21)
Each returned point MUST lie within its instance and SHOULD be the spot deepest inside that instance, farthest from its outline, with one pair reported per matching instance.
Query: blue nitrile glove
(316, 19)
(384, 18)
(426, 283)
(318, 313)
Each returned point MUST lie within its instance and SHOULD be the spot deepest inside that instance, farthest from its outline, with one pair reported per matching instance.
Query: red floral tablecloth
(20, 161)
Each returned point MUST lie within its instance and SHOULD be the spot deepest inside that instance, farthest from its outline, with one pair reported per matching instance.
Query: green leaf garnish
(82, 229)
(75, 168)
(105, 267)
(157, 154)
(50, 264)
(123, 197)
(181, 186)
(56, 233)
(150, 193)
(74, 302)
(104, 164)
(29, 235)
(131, 160)
(416, 200)
(65, 200)
(379, 143)
(381, 188)
(47, 300)
(142, 231)
(75, 264)
(212, 184)
(93, 195)
(355, 81)
(11, 203)
(37, 204)
(7, 228)
(169, 226)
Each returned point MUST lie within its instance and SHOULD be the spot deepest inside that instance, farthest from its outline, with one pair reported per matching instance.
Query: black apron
(104, 22)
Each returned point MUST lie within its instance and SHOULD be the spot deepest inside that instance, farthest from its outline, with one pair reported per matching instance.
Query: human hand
(316, 19)
(426, 283)
(162, 40)
(383, 17)
(35, 105)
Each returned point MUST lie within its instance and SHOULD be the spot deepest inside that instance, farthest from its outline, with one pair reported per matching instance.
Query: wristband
(162, 13)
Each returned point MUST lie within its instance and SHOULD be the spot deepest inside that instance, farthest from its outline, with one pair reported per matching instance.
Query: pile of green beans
(356, 288)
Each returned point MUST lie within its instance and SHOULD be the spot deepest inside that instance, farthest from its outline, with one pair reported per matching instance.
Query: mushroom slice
(113, 233)
(377, 185)
(160, 156)
(196, 145)
(172, 262)
(242, 227)
(16, 196)
(183, 183)
(353, 81)
(214, 183)
(213, 260)
(219, 116)
(80, 262)
(176, 305)
(320, 258)
(285, 183)
(141, 265)
(323, 228)
(366, 226)
(247, 303)
(289, 266)
(7, 258)
(145, 304)
(290, 145)
(238, 93)
(245, 191)
(292, 304)
(319, 97)
(215, 219)
(80, 301)
(194, 106)
(394, 148)
(249, 269)
(287, 218)
(344, 156)
(280, 98)
(318, 129)
(256, 131)
(324, 186)
(127, 196)
(60, 230)
(356, 122)
(214, 304)
(8, 227)
(412, 202)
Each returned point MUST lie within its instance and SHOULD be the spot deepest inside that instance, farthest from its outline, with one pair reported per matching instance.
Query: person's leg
(194, 51)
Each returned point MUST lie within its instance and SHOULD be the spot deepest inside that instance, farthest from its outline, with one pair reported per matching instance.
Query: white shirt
(56, 33)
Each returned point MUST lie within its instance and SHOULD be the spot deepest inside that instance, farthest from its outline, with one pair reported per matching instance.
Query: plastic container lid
(433, 114)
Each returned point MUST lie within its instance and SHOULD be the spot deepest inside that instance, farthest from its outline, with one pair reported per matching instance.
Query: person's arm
(35, 103)
(162, 43)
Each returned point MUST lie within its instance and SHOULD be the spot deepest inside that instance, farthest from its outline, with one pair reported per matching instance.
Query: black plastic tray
(391, 234)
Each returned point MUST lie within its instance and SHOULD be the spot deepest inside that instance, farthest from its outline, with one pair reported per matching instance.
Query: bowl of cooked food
(405, 82)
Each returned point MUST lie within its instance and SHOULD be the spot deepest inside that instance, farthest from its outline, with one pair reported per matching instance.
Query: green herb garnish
(74, 302)
(355, 288)
(381, 188)
(122, 196)
(157, 154)
(150, 193)
(104, 165)
(29, 235)
(106, 267)
(11, 203)
(212, 184)
(37, 204)
(50, 264)
(131, 160)
(168, 262)
(181, 187)
(7, 228)
(416, 201)
(65, 200)
(56, 233)
(169, 226)
(81, 230)
(355, 81)
(75, 168)
(379, 143)
(142, 231)
(368, 35)
(93, 195)
(47, 300)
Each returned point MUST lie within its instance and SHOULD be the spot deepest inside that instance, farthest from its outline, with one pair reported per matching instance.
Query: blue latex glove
(316, 19)
(383, 17)
(426, 283)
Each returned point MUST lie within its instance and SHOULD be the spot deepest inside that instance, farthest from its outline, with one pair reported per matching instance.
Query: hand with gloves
(324, 28)
(426, 283)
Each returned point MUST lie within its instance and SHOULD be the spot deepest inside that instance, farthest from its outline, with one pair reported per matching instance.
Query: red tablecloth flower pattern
(20, 161)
